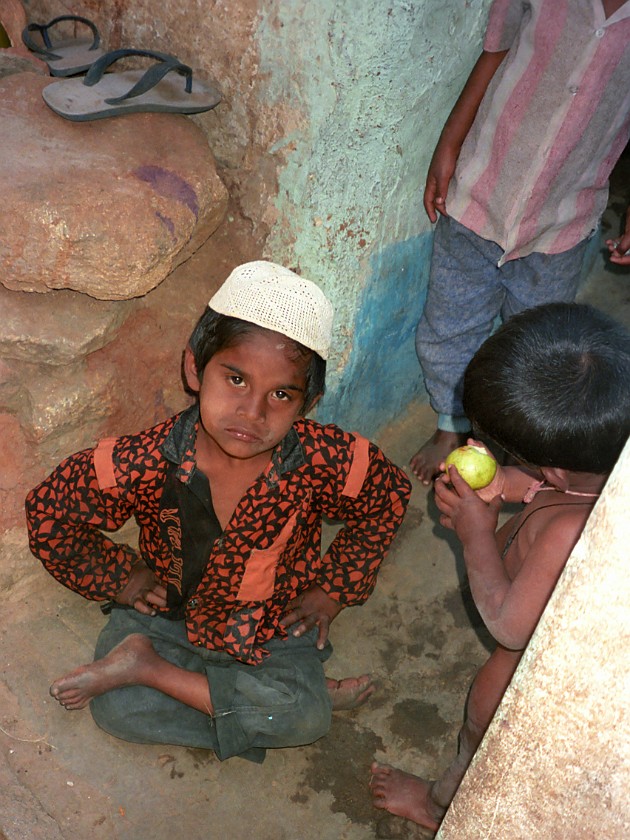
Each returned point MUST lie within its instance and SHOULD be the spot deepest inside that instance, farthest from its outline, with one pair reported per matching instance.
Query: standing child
(219, 623)
(552, 387)
(519, 181)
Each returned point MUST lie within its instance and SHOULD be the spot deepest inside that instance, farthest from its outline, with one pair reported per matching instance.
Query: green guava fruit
(475, 466)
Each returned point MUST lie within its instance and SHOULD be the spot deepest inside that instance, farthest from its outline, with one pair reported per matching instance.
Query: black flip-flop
(167, 86)
(66, 57)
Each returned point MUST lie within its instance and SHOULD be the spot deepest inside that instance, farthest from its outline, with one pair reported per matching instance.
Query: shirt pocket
(259, 577)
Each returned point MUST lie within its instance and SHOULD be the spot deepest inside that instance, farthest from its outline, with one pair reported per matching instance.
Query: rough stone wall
(106, 207)
(330, 115)
(74, 369)
(85, 351)
(218, 40)
(373, 83)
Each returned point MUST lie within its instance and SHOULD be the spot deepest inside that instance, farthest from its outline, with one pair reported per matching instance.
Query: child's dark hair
(214, 332)
(552, 387)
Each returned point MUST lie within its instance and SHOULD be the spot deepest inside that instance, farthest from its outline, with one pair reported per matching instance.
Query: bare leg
(351, 692)
(135, 662)
(132, 662)
(425, 464)
(426, 802)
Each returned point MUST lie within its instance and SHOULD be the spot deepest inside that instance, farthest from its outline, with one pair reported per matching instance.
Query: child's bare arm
(510, 606)
(513, 618)
(454, 132)
(475, 521)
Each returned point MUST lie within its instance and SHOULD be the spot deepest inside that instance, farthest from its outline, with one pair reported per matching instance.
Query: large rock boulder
(57, 328)
(107, 207)
(14, 56)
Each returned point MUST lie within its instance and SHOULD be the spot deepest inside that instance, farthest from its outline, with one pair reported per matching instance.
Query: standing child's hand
(312, 608)
(462, 510)
(439, 177)
(619, 249)
(142, 591)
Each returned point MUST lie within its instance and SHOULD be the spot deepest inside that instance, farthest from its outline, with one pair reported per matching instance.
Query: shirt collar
(179, 448)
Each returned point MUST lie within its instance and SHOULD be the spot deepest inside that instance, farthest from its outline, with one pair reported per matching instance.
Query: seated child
(552, 388)
(219, 623)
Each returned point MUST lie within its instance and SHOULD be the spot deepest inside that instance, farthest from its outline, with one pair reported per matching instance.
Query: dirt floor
(65, 778)
(62, 778)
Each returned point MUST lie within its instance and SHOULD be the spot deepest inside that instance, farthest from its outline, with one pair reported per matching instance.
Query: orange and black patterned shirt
(231, 587)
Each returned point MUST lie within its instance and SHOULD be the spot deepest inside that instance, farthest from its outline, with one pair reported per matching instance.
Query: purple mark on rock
(169, 185)
(168, 222)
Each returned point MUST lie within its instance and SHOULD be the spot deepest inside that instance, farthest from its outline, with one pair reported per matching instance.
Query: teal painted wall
(368, 85)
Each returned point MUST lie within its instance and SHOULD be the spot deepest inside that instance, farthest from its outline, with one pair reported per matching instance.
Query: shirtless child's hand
(496, 486)
(463, 510)
(312, 608)
(142, 591)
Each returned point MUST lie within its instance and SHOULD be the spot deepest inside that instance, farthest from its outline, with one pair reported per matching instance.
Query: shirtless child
(552, 387)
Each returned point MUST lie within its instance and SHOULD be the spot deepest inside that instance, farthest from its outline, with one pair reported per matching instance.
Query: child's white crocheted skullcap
(276, 298)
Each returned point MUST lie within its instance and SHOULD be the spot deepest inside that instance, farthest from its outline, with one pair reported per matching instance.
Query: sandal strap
(43, 28)
(148, 80)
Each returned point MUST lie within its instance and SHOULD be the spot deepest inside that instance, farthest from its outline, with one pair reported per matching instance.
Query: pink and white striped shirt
(532, 174)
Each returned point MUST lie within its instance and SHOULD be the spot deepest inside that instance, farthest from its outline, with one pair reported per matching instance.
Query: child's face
(250, 394)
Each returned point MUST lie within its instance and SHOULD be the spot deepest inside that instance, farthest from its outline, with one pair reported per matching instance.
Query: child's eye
(282, 395)
(235, 379)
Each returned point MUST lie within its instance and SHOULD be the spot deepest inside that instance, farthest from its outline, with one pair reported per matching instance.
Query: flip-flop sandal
(98, 95)
(67, 57)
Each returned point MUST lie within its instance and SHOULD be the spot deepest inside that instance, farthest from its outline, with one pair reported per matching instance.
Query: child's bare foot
(404, 795)
(351, 692)
(425, 464)
(123, 665)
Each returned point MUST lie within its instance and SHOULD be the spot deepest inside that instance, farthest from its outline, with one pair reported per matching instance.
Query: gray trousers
(467, 292)
(282, 702)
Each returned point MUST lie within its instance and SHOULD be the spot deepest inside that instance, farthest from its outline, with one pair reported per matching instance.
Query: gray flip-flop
(64, 57)
(167, 86)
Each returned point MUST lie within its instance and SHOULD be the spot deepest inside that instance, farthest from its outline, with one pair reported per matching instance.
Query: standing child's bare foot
(124, 665)
(351, 692)
(425, 464)
(404, 795)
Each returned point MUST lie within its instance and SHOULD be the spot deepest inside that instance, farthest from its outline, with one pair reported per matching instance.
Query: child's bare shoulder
(557, 527)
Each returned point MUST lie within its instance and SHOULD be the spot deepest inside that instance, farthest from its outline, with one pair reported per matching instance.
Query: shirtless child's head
(552, 388)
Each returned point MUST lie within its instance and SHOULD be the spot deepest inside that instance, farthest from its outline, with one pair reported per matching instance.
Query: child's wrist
(495, 488)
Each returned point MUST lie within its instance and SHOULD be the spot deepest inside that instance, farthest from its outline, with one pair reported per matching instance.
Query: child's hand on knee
(142, 592)
(312, 608)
